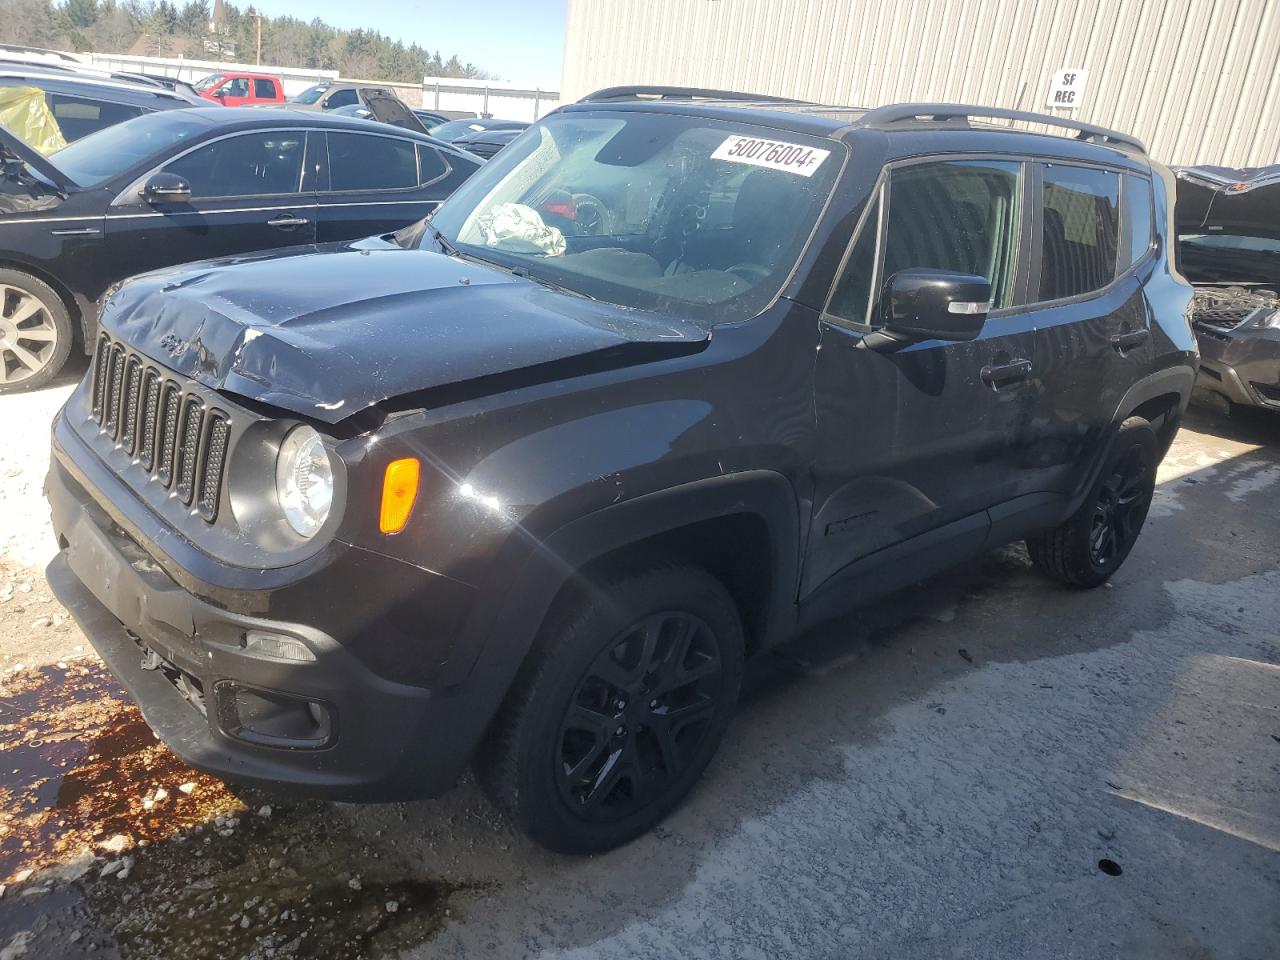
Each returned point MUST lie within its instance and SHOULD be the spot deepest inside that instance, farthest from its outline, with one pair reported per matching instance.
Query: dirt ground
(986, 766)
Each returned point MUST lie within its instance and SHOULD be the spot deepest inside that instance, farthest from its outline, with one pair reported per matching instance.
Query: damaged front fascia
(286, 332)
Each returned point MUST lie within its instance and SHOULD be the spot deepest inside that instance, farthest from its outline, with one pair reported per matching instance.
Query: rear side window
(1080, 225)
(431, 166)
(361, 162)
(1139, 217)
(341, 98)
(78, 117)
(263, 89)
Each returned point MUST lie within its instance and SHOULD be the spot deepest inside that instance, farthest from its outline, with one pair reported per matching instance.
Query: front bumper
(374, 739)
(1243, 368)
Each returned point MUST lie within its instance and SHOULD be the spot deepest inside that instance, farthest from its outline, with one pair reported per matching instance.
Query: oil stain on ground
(183, 865)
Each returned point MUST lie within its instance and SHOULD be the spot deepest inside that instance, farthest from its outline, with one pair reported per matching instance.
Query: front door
(925, 438)
(247, 194)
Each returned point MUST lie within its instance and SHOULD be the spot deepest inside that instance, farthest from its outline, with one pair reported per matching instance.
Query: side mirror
(931, 305)
(220, 93)
(166, 188)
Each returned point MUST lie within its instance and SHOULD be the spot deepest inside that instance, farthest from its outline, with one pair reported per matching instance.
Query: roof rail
(907, 112)
(610, 94)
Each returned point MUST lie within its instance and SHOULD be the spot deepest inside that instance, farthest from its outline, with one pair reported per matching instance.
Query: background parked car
(453, 129)
(1229, 245)
(83, 104)
(433, 118)
(240, 89)
(485, 143)
(383, 108)
(190, 185)
(331, 95)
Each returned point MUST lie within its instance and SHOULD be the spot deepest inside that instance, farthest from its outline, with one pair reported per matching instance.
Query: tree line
(113, 26)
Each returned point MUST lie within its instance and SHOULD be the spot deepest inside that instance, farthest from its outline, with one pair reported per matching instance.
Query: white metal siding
(1197, 80)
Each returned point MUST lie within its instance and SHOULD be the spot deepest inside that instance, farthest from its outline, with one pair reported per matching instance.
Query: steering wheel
(753, 273)
(594, 219)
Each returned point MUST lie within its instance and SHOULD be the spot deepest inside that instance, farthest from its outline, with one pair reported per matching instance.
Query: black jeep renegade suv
(676, 375)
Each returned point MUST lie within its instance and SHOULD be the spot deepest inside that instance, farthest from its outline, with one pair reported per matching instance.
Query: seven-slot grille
(173, 434)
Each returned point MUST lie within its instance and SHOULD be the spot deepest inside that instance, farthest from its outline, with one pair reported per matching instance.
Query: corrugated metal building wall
(1198, 80)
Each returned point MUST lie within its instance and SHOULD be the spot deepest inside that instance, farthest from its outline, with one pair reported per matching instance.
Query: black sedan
(183, 185)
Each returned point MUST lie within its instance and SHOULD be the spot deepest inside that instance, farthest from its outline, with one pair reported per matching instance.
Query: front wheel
(619, 710)
(35, 332)
(1087, 549)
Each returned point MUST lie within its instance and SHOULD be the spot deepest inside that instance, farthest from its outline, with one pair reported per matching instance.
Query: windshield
(111, 151)
(454, 128)
(697, 217)
(207, 82)
(1230, 258)
(311, 94)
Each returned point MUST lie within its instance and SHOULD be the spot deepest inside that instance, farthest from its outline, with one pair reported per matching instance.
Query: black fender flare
(500, 636)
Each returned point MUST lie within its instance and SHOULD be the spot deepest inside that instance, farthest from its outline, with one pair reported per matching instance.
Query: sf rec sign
(1067, 89)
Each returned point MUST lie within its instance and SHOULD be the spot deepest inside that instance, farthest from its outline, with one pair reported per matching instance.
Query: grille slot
(115, 374)
(169, 430)
(129, 418)
(192, 420)
(215, 456)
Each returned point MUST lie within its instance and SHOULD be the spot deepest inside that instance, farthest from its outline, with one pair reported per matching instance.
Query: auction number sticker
(774, 154)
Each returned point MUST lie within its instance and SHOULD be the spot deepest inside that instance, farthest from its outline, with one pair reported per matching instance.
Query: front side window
(252, 164)
(360, 162)
(239, 87)
(701, 217)
(1080, 224)
(852, 297)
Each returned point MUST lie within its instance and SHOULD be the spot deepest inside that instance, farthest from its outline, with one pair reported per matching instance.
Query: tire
(1089, 547)
(36, 334)
(618, 709)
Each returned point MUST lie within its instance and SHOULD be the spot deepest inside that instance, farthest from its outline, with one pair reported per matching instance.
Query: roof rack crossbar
(611, 94)
(907, 112)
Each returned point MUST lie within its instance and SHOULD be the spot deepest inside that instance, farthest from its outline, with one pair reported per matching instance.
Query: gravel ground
(985, 766)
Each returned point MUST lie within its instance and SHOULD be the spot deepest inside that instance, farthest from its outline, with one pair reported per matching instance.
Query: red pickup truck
(240, 89)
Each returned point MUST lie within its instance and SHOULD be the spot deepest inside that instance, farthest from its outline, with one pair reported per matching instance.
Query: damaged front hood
(328, 332)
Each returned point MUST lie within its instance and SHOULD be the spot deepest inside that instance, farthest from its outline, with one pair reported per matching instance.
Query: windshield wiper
(524, 274)
(445, 243)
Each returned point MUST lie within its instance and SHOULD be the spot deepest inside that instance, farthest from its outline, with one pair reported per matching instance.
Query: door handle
(76, 232)
(998, 375)
(1123, 342)
(288, 221)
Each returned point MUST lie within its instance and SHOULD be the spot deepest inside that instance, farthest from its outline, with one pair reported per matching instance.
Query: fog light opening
(273, 719)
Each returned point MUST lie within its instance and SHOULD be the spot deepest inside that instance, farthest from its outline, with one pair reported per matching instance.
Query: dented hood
(326, 332)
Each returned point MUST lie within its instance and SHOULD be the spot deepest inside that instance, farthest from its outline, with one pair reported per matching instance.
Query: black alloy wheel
(1091, 545)
(618, 708)
(1120, 507)
(639, 715)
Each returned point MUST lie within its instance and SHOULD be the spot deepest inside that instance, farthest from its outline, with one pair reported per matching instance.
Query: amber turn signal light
(399, 491)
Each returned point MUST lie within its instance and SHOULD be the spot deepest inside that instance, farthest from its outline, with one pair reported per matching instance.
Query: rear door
(919, 442)
(1093, 323)
(248, 193)
(374, 183)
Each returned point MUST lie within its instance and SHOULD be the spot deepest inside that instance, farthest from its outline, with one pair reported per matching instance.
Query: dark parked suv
(675, 376)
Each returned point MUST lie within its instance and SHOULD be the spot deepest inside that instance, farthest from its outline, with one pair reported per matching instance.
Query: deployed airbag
(24, 111)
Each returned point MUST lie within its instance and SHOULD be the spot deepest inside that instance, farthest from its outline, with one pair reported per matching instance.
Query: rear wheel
(35, 332)
(1087, 549)
(622, 705)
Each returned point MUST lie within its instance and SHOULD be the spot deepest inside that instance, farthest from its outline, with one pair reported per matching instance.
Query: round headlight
(304, 480)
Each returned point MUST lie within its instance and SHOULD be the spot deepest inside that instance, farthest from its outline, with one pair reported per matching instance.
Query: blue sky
(518, 40)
